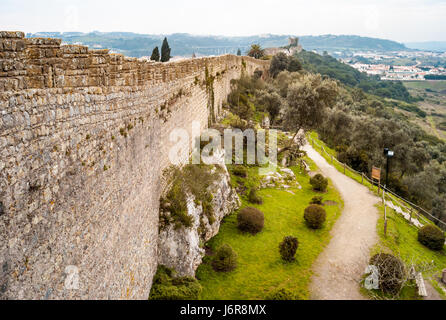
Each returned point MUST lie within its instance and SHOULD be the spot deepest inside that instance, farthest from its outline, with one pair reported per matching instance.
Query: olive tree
(307, 101)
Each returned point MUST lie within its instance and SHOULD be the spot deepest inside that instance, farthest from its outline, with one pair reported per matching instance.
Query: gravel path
(338, 269)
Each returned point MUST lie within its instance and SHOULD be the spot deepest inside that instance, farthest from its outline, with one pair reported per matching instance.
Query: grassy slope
(434, 104)
(437, 85)
(260, 269)
(402, 241)
(402, 237)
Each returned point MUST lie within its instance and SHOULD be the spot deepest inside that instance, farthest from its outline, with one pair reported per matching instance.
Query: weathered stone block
(33, 70)
(35, 82)
(12, 34)
(35, 53)
(43, 42)
(9, 84)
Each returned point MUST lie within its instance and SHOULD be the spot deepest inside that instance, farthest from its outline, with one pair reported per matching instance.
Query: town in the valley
(400, 65)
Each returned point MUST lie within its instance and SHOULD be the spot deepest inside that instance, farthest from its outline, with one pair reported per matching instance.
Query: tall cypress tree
(165, 51)
(239, 52)
(155, 54)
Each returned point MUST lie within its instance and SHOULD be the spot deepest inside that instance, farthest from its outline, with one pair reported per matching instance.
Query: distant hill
(430, 45)
(332, 42)
(328, 66)
(182, 44)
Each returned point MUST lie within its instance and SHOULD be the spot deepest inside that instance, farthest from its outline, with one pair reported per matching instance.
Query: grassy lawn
(260, 268)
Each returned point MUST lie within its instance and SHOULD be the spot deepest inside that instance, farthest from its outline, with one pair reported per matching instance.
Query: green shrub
(288, 248)
(391, 272)
(240, 171)
(253, 197)
(432, 237)
(250, 220)
(317, 200)
(314, 216)
(225, 259)
(168, 287)
(281, 294)
(319, 183)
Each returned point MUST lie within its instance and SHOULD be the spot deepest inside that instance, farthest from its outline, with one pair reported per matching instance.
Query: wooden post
(362, 177)
(385, 217)
(344, 168)
(410, 218)
(444, 276)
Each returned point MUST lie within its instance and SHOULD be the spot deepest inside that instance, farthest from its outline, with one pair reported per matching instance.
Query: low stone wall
(84, 137)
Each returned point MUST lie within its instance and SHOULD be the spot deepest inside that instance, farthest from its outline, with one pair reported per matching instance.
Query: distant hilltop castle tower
(293, 41)
(292, 48)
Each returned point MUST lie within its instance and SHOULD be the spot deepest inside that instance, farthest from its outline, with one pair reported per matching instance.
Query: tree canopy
(281, 62)
(165, 51)
(155, 55)
(308, 98)
(256, 51)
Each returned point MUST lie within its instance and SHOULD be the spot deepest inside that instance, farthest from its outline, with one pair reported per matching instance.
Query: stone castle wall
(84, 137)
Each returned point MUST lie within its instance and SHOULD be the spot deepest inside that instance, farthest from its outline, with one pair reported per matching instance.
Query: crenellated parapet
(38, 63)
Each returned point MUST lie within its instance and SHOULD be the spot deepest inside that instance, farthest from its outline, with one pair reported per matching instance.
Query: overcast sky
(400, 20)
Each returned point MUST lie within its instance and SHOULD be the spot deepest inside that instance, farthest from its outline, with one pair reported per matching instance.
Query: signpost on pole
(376, 175)
(385, 214)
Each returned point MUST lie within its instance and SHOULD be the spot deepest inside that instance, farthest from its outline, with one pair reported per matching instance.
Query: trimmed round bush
(391, 272)
(319, 183)
(317, 200)
(281, 294)
(250, 220)
(240, 171)
(253, 197)
(315, 216)
(288, 248)
(225, 259)
(432, 237)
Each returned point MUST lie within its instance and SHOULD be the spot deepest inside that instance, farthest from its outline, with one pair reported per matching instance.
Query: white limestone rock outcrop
(182, 249)
(284, 178)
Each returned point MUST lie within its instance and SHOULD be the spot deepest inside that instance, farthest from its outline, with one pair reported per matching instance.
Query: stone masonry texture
(84, 138)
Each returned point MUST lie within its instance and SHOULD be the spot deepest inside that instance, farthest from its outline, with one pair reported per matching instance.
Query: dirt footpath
(338, 269)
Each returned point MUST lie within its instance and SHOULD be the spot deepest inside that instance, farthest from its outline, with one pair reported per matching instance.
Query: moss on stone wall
(209, 80)
(191, 180)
